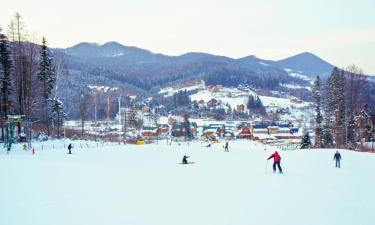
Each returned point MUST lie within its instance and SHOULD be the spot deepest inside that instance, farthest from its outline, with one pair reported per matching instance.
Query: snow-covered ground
(299, 75)
(169, 91)
(145, 185)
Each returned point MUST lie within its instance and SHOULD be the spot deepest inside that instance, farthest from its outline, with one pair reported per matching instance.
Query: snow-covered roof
(260, 130)
(264, 136)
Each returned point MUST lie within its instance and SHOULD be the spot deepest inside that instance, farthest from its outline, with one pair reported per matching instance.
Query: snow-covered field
(146, 185)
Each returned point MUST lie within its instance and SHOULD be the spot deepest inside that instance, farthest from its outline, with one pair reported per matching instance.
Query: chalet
(164, 128)
(296, 101)
(273, 129)
(210, 133)
(228, 134)
(212, 103)
(230, 125)
(179, 130)
(260, 132)
(215, 88)
(150, 132)
(240, 108)
(244, 132)
(288, 136)
(218, 129)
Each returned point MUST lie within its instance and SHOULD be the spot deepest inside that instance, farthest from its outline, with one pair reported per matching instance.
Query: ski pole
(283, 167)
(265, 170)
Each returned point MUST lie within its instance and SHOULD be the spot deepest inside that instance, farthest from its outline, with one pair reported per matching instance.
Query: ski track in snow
(146, 185)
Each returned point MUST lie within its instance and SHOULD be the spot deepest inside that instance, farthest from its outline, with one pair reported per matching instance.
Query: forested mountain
(307, 63)
(143, 71)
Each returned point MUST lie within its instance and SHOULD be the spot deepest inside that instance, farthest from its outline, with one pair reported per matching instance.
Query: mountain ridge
(305, 62)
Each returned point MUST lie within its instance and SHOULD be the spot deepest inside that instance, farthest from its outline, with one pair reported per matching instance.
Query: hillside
(129, 184)
(143, 73)
(138, 69)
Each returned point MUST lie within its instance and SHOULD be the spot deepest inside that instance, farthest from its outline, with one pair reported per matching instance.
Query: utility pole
(119, 110)
(119, 117)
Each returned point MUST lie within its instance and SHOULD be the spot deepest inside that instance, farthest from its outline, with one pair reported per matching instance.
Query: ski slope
(146, 185)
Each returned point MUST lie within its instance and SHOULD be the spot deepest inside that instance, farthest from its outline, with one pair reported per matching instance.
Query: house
(209, 132)
(296, 101)
(164, 128)
(289, 134)
(260, 134)
(218, 129)
(215, 88)
(259, 131)
(179, 130)
(228, 134)
(212, 103)
(244, 132)
(273, 129)
(150, 132)
(240, 108)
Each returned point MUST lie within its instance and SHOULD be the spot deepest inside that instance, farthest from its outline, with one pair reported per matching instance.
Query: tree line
(28, 78)
(342, 113)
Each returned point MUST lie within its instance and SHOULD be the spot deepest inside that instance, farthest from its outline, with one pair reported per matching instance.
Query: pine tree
(46, 74)
(250, 102)
(229, 110)
(318, 115)
(255, 105)
(305, 142)
(259, 106)
(187, 127)
(328, 108)
(5, 65)
(337, 86)
(58, 113)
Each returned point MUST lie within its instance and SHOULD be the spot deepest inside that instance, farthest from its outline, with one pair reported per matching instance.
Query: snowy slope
(145, 185)
(239, 97)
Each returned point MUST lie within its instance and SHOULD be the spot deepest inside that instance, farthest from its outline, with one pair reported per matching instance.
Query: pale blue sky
(340, 31)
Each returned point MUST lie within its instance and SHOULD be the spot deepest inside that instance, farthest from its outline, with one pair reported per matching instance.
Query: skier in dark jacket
(70, 146)
(226, 147)
(184, 159)
(276, 161)
(337, 157)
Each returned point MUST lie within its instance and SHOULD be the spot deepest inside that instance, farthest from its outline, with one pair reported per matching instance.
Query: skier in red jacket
(276, 161)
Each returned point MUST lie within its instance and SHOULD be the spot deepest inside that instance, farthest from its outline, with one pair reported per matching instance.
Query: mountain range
(140, 70)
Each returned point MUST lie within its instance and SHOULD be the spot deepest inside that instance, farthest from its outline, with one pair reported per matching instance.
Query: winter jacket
(276, 157)
(337, 156)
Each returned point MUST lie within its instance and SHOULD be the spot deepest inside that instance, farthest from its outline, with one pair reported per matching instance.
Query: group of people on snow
(276, 157)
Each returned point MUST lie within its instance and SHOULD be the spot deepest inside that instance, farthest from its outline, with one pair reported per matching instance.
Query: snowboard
(187, 163)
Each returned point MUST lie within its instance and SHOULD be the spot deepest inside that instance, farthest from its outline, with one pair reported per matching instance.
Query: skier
(226, 147)
(337, 157)
(184, 159)
(276, 161)
(70, 146)
(209, 145)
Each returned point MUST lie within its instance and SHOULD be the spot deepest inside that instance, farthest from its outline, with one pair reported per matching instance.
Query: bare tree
(18, 36)
(356, 81)
(60, 73)
(83, 106)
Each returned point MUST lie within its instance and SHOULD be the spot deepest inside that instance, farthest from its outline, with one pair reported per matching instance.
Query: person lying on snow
(184, 159)
(276, 161)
